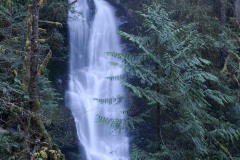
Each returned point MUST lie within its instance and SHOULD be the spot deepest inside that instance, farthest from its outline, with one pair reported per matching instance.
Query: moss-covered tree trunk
(34, 102)
(8, 4)
(33, 87)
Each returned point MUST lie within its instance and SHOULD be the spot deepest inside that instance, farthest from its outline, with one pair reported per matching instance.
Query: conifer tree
(168, 72)
(23, 69)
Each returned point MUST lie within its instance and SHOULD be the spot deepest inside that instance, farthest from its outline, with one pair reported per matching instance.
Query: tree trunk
(32, 47)
(174, 2)
(158, 116)
(159, 141)
(237, 9)
(33, 86)
(8, 4)
(26, 65)
(222, 53)
(223, 12)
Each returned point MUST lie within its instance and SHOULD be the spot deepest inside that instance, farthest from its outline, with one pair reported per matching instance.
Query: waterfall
(90, 40)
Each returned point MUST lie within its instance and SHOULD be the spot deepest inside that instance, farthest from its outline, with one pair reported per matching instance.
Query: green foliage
(11, 145)
(17, 133)
(169, 70)
(45, 153)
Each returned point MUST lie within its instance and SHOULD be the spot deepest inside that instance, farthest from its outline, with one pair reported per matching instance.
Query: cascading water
(89, 67)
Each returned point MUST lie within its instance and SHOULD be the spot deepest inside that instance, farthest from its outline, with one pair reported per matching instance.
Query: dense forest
(182, 73)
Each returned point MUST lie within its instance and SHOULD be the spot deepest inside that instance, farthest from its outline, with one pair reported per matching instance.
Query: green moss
(44, 154)
(28, 45)
(24, 87)
(36, 105)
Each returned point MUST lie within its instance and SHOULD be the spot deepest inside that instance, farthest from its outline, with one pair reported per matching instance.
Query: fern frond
(110, 101)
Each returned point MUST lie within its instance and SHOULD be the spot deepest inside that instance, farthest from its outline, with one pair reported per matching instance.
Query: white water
(89, 67)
